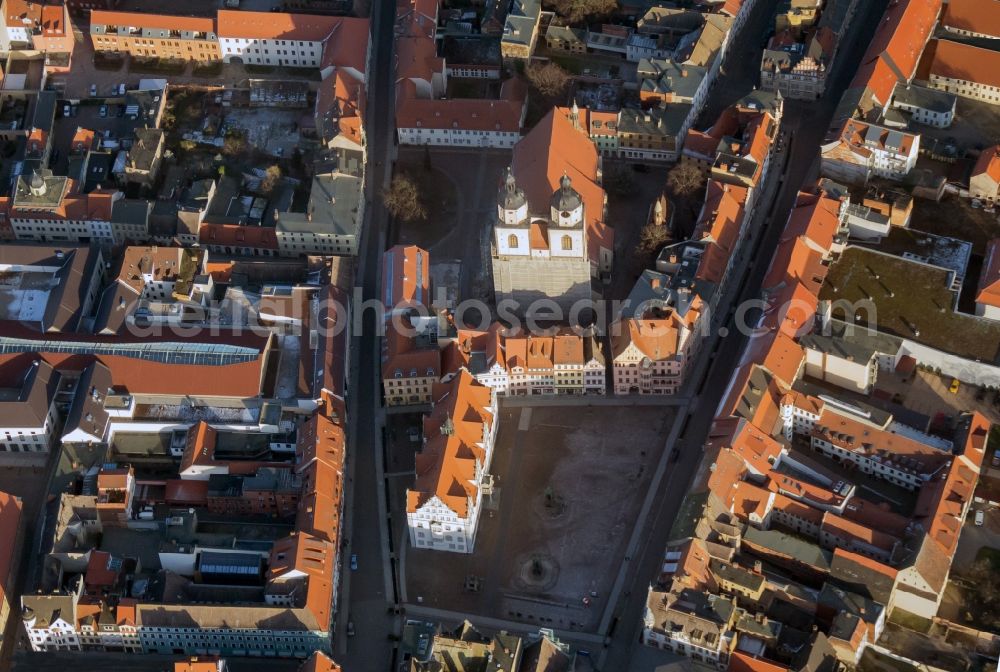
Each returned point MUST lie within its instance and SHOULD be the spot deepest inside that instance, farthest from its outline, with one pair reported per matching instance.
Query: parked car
(350, 628)
(93, 90)
(67, 110)
(354, 562)
(980, 517)
(104, 110)
(955, 384)
(996, 460)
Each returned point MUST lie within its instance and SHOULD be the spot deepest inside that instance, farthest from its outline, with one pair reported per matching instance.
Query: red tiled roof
(238, 236)
(989, 280)
(275, 25)
(961, 61)
(10, 522)
(741, 662)
(977, 16)
(99, 17)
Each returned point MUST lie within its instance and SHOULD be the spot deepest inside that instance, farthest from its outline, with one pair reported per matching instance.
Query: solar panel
(169, 352)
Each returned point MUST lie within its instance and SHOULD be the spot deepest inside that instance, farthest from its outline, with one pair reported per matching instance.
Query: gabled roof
(962, 61)
(977, 16)
(655, 338)
(988, 162)
(554, 148)
(447, 465)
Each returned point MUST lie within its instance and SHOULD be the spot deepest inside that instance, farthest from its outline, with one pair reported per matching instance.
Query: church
(550, 240)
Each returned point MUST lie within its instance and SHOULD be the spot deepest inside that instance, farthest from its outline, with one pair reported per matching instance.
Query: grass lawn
(911, 621)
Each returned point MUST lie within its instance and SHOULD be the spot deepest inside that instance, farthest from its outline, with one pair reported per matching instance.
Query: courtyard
(553, 534)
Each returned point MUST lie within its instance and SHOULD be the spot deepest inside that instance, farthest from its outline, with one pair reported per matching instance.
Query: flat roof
(911, 300)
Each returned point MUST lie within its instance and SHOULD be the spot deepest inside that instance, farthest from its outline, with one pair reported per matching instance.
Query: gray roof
(666, 76)
(131, 211)
(45, 110)
(664, 120)
(70, 281)
(847, 341)
(928, 99)
(39, 189)
(144, 150)
(333, 207)
(786, 544)
(31, 401)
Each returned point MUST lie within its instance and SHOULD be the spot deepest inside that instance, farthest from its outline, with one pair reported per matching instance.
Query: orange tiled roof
(197, 664)
(446, 466)
(303, 554)
(236, 235)
(275, 25)
(741, 662)
(978, 16)
(989, 161)
(842, 528)
(655, 338)
(961, 61)
(319, 662)
(406, 277)
(99, 17)
(10, 522)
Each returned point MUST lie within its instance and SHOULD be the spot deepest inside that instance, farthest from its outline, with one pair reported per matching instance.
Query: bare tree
(549, 79)
(619, 181)
(402, 199)
(652, 238)
(685, 179)
(270, 180)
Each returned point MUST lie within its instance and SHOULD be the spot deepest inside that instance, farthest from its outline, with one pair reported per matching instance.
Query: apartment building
(970, 18)
(452, 467)
(332, 221)
(155, 35)
(963, 69)
(257, 38)
(50, 289)
(48, 208)
(515, 363)
(425, 115)
(39, 25)
(28, 413)
(411, 353)
(650, 355)
(864, 150)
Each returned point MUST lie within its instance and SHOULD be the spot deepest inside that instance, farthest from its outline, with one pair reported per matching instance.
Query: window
(567, 243)
(512, 241)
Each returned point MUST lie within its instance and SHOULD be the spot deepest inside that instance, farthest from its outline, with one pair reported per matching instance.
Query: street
(368, 593)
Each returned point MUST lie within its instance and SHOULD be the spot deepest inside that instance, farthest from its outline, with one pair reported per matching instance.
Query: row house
(154, 35)
(514, 363)
(650, 355)
(28, 411)
(331, 223)
(452, 468)
(970, 18)
(48, 208)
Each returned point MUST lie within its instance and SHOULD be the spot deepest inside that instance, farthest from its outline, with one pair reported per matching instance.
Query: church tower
(513, 224)
(567, 231)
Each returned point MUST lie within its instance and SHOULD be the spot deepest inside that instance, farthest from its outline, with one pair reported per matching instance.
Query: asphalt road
(365, 600)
